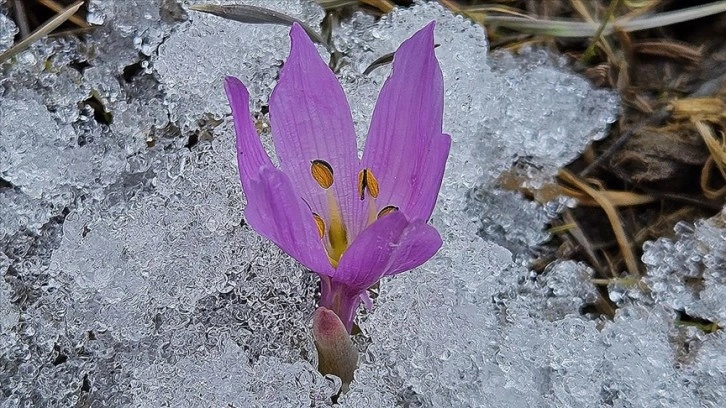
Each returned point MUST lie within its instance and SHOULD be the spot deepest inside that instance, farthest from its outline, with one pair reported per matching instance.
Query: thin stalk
(590, 51)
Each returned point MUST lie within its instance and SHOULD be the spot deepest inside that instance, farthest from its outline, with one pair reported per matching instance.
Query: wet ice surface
(687, 273)
(189, 65)
(130, 278)
(7, 31)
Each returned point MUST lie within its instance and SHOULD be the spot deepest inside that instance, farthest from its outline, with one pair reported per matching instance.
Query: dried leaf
(259, 15)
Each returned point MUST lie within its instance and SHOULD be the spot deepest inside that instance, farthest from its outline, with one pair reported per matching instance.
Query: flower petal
(368, 258)
(276, 212)
(311, 120)
(405, 148)
(250, 153)
(418, 243)
(367, 301)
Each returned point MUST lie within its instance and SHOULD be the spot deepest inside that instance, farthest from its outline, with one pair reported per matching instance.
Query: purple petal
(273, 208)
(418, 243)
(250, 153)
(311, 120)
(368, 258)
(406, 149)
(367, 301)
(276, 212)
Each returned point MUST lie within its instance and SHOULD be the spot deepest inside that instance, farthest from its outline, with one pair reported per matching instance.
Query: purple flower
(350, 220)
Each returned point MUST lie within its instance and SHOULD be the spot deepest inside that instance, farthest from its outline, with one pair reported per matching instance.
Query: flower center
(334, 234)
(337, 236)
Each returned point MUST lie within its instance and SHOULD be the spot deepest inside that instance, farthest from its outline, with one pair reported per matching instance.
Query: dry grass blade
(604, 306)
(705, 182)
(616, 198)
(383, 60)
(562, 228)
(515, 45)
(717, 150)
(579, 7)
(640, 7)
(379, 62)
(548, 192)
(718, 158)
(579, 236)
(672, 17)
(575, 29)
(334, 4)
(259, 15)
(587, 55)
(626, 281)
(58, 8)
(706, 109)
(385, 6)
(554, 28)
(597, 38)
(483, 9)
(669, 49)
(613, 217)
(451, 5)
(498, 9)
(43, 30)
(21, 18)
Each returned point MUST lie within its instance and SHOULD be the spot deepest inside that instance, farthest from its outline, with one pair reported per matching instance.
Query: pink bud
(336, 353)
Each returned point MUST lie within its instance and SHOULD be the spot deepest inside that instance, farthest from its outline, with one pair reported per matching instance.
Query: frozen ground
(130, 278)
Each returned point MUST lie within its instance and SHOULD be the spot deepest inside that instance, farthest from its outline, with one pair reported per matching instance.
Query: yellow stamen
(367, 181)
(387, 210)
(320, 224)
(337, 235)
(372, 184)
(362, 184)
(322, 173)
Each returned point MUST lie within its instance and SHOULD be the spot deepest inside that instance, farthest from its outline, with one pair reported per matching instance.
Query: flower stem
(340, 299)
